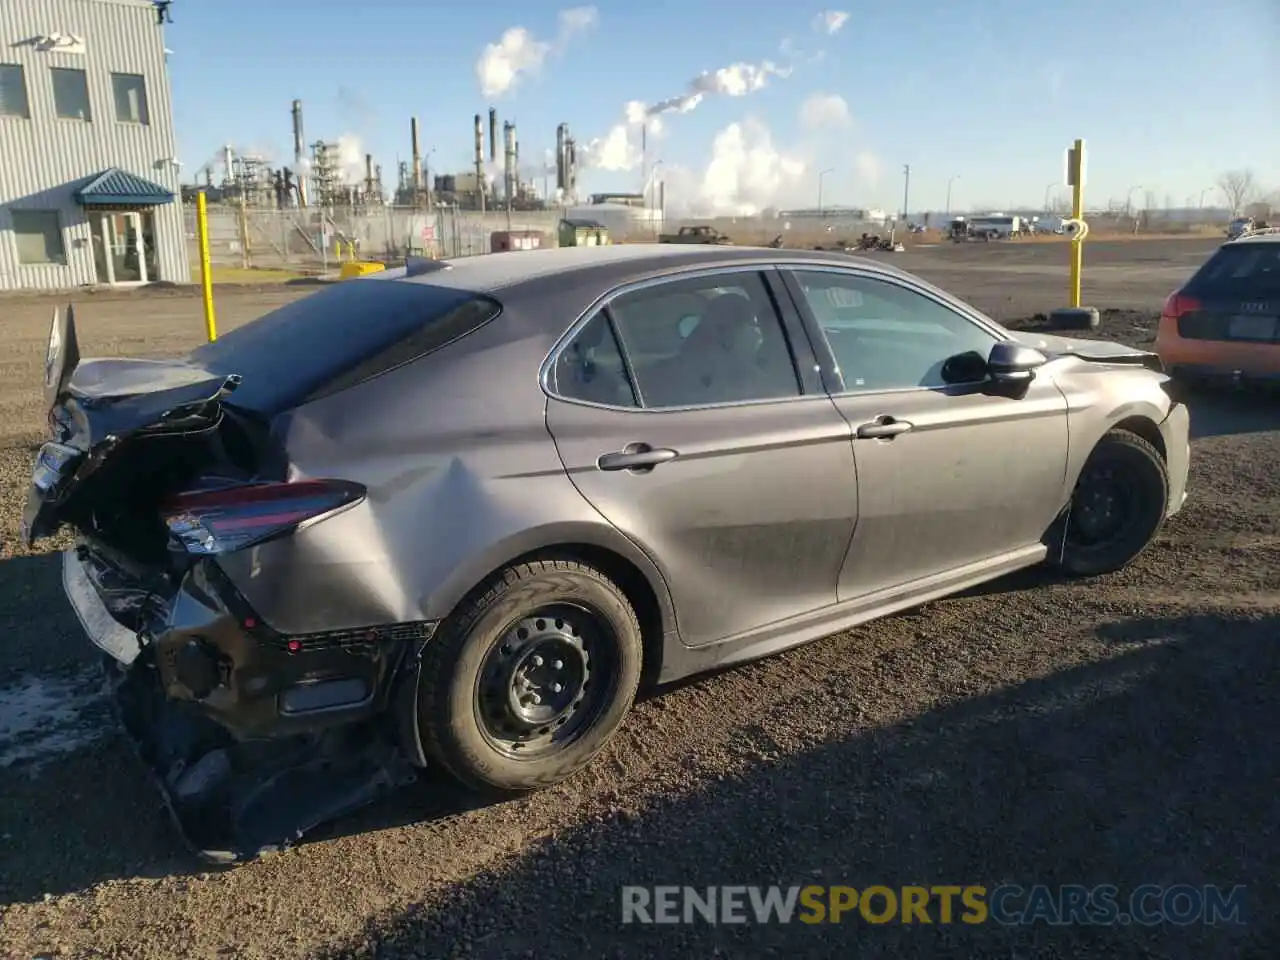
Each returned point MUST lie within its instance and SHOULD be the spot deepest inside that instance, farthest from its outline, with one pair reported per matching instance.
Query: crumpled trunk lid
(123, 431)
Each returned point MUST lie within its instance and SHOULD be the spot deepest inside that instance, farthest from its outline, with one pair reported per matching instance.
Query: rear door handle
(882, 428)
(635, 456)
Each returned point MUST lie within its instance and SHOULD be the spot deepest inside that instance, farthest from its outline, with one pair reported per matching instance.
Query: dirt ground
(1119, 731)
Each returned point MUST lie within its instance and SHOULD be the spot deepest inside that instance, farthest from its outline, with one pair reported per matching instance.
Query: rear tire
(1117, 508)
(526, 682)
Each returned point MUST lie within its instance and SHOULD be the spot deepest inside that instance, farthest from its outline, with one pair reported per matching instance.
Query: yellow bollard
(206, 269)
(1075, 176)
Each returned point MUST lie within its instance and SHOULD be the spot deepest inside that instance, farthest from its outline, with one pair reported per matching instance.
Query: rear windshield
(338, 337)
(1248, 269)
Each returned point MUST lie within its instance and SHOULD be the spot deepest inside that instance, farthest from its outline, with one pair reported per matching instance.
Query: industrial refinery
(324, 175)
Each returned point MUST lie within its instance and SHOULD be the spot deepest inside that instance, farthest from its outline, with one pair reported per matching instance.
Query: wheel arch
(1146, 428)
(598, 546)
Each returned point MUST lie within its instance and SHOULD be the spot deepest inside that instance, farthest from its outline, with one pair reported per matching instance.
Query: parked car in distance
(700, 234)
(321, 554)
(1223, 324)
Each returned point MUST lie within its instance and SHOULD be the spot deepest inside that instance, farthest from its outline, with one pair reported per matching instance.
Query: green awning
(116, 188)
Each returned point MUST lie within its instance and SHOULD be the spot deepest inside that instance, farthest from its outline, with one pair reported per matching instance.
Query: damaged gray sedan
(453, 514)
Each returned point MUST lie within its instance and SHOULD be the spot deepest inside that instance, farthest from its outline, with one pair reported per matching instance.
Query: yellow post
(206, 269)
(1077, 213)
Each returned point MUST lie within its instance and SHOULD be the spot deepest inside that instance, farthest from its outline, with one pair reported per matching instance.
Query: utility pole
(820, 179)
(906, 189)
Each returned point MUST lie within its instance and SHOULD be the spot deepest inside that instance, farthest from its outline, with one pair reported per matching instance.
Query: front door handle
(635, 456)
(882, 428)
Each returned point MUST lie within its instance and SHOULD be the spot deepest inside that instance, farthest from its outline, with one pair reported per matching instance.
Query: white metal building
(89, 188)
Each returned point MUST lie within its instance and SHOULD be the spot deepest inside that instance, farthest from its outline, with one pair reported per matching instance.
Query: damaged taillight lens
(209, 522)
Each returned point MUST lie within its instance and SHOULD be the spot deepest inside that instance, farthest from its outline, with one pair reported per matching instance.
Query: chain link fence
(309, 241)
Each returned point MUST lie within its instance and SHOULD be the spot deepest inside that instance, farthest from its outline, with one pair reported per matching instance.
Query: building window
(130, 91)
(13, 91)
(39, 236)
(71, 94)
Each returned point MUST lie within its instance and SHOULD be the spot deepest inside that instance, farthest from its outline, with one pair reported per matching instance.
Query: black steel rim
(546, 681)
(1104, 508)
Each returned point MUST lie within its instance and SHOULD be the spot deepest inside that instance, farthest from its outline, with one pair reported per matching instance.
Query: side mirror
(1011, 362)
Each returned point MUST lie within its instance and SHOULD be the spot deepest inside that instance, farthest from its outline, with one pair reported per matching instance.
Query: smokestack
(480, 184)
(299, 152)
(368, 178)
(562, 132)
(417, 154)
(493, 134)
(509, 157)
(515, 159)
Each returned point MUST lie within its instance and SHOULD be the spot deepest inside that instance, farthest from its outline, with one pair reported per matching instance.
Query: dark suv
(1224, 323)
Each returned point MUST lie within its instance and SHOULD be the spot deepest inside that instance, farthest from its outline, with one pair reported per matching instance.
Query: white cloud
(351, 158)
(576, 21)
(615, 151)
(620, 149)
(830, 21)
(518, 53)
(746, 173)
(867, 169)
(825, 111)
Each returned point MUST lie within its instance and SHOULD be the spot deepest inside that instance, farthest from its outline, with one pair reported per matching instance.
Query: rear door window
(683, 343)
(705, 340)
(590, 368)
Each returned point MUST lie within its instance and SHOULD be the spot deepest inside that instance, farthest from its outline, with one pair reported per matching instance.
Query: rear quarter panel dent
(462, 475)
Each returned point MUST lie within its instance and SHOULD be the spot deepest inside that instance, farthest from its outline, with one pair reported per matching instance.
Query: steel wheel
(1117, 508)
(545, 681)
(1103, 507)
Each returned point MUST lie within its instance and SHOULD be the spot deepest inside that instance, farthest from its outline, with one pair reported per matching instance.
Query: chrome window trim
(675, 276)
(964, 312)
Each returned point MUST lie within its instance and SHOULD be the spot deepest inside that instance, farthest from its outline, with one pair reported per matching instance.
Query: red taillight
(231, 518)
(1179, 304)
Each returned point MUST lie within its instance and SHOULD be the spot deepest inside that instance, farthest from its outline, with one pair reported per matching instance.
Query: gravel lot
(1118, 731)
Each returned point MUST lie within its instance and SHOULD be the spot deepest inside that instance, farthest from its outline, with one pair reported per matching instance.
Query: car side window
(590, 367)
(706, 340)
(888, 337)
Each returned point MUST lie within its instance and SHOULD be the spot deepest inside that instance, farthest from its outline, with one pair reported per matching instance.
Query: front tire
(1118, 506)
(528, 681)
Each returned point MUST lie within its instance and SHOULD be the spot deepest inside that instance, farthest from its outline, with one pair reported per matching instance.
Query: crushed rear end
(254, 736)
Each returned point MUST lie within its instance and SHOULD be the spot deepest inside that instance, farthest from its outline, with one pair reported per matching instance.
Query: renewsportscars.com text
(1011, 905)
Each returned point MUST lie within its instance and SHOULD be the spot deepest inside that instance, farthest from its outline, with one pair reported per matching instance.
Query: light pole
(1128, 200)
(821, 176)
(426, 175)
(1047, 189)
(1202, 193)
(953, 179)
(653, 181)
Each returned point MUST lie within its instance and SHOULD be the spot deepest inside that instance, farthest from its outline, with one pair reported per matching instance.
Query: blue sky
(1167, 93)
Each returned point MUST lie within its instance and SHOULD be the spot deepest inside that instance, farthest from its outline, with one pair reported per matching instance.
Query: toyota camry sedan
(451, 515)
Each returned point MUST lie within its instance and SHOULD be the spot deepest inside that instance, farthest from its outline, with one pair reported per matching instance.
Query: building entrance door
(124, 248)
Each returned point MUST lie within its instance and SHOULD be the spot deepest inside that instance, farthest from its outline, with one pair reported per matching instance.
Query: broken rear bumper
(253, 738)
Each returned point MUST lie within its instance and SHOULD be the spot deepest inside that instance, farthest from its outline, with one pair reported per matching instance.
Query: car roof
(503, 271)
(1265, 235)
